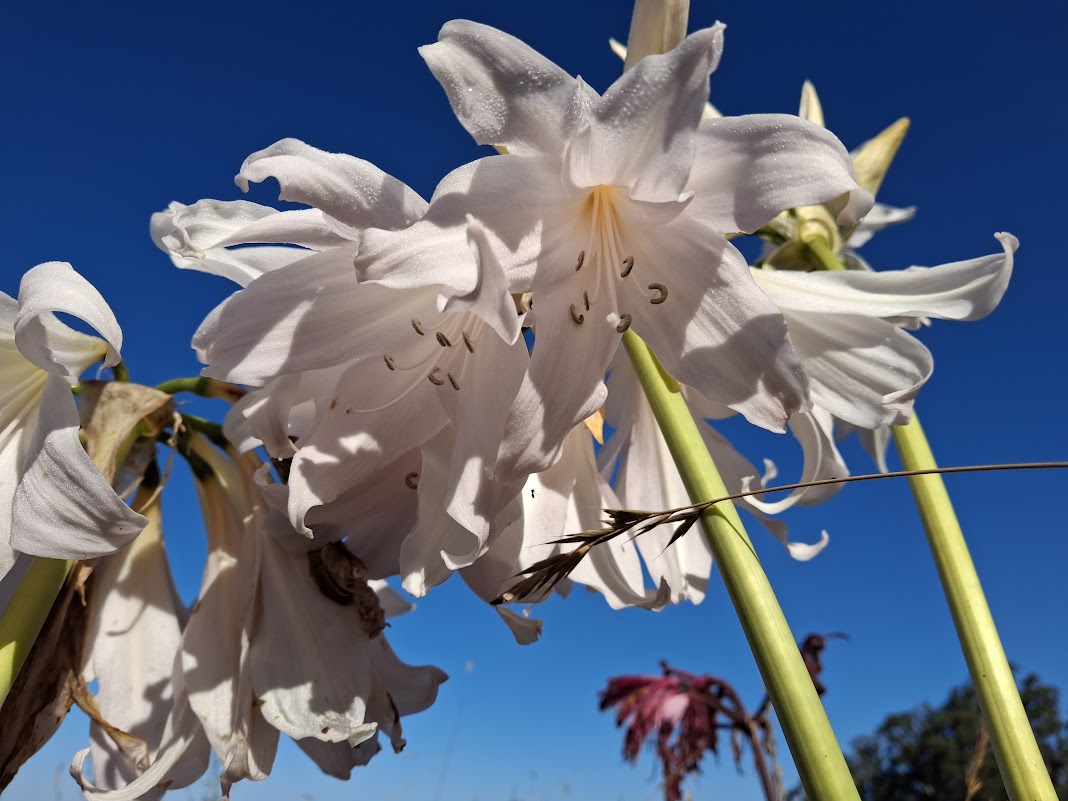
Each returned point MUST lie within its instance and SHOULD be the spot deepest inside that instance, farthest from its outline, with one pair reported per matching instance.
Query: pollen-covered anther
(578, 318)
(581, 259)
(453, 381)
(388, 357)
(418, 326)
(467, 341)
(662, 293)
(624, 323)
(412, 480)
(434, 377)
(443, 340)
(628, 265)
(586, 300)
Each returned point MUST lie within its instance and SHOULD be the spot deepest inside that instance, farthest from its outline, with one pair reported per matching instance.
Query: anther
(624, 323)
(662, 293)
(581, 258)
(443, 340)
(586, 301)
(467, 341)
(453, 381)
(418, 326)
(578, 318)
(434, 379)
(389, 361)
(412, 480)
(628, 265)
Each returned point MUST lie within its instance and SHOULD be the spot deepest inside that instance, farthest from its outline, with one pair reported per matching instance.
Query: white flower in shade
(133, 635)
(56, 502)
(270, 649)
(354, 377)
(611, 210)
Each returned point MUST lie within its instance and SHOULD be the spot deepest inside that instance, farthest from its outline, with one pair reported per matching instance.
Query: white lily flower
(358, 375)
(611, 210)
(58, 503)
(133, 635)
(250, 667)
(846, 325)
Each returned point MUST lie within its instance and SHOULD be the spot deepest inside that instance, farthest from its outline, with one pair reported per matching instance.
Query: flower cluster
(438, 387)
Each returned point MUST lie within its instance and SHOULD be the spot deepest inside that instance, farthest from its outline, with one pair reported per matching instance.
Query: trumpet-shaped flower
(356, 376)
(611, 210)
(56, 501)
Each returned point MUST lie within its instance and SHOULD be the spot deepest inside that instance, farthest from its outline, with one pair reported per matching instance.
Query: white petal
(490, 298)
(314, 680)
(411, 688)
(211, 224)
(133, 636)
(521, 201)
(63, 507)
(644, 127)
(865, 371)
(350, 445)
(347, 189)
(963, 290)
(306, 316)
(750, 168)
(715, 331)
(881, 216)
(563, 386)
(821, 461)
(49, 343)
(502, 91)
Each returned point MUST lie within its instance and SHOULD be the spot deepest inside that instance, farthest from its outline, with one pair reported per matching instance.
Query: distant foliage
(936, 753)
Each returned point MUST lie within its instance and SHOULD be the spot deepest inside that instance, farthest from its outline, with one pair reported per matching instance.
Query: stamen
(412, 480)
(434, 379)
(581, 259)
(624, 323)
(453, 381)
(467, 341)
(628, 265)
(443, 340)
(663, 293)
(418, 326)
(389, 361)
(586, 301)
(578, 318)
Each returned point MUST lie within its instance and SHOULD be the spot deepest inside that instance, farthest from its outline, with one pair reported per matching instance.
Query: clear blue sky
(113, 110)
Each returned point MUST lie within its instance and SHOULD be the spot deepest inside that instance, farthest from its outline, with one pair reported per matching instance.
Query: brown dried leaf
(111, 412)
(43, 691)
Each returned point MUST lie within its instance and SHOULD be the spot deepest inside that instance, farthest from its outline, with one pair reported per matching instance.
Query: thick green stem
(26, 613)
(817, 755)
(821, 256)
(203, 386)
(1018, 757)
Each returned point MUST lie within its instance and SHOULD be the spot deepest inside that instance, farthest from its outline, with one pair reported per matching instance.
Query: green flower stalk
(25, 615)
(817, 755)
(1015, 748)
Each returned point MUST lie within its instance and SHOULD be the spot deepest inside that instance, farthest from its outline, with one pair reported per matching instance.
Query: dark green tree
(944, 752)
